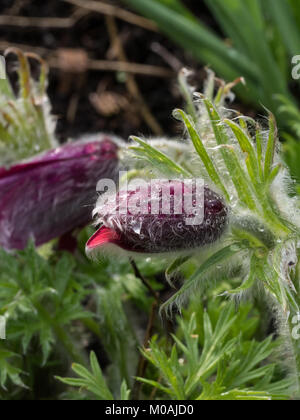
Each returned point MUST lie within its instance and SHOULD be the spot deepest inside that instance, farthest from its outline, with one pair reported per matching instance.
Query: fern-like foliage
(94, 382)
(38, 301)
(216, 358)
(56, 303)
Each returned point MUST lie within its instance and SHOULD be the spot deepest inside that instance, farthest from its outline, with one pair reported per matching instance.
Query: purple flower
(53, 193)
(163, 232)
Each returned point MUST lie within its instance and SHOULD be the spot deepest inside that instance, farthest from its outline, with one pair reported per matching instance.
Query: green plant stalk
(185, 90)
(291, 348)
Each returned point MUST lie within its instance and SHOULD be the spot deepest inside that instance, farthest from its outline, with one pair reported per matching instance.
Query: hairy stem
(290, 333)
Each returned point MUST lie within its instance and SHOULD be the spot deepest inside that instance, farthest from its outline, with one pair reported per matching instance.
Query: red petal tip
(102, 237)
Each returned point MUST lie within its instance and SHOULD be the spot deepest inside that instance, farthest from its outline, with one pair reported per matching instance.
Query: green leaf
(217, 258)
(270, 146)
(173, 268)
(275, 171)
(247, 147)
(155, 384)
(9, 370)
(282, 16)
(259, 143)
(240, 26)
(233, 395)
(158, 159)
(250, 279)
(125, 392)
(200, 149)
(91, 381)
(232, 19)
(231, 160)
(177, 6)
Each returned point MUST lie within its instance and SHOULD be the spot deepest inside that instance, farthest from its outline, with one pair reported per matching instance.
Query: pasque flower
(53, 193)
(149, 229)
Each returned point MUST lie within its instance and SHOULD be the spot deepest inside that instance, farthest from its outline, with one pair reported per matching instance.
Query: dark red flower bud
(159, 233)
(53, 193)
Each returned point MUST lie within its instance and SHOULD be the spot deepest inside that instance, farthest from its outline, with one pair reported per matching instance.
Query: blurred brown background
(88, 45)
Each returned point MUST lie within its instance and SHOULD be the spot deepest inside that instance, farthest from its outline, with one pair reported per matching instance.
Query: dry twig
(168, 57)
(38, 22)
(114, 11)
(132, 86)
(138, 275)
(96, 65)
(134, 68)
(142, 365)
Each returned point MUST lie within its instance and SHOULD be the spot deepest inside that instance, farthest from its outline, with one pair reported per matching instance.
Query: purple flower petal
(53, 193)
(158, 233)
